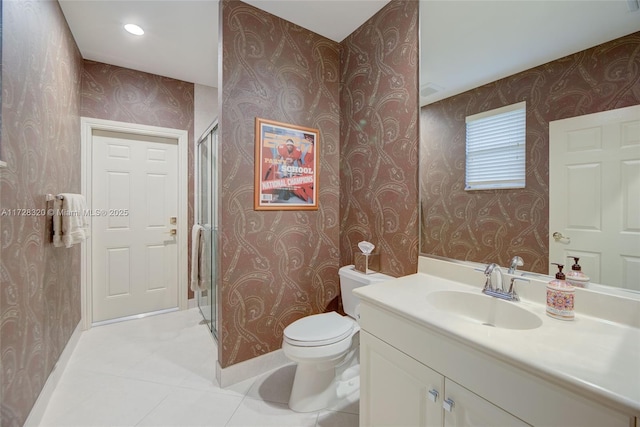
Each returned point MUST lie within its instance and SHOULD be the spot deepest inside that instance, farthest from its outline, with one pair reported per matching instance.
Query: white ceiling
(180, 40)
(181, 36)
(464, 43)
(334, 19)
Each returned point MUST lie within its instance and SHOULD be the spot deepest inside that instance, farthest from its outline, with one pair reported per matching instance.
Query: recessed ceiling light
(134, 29)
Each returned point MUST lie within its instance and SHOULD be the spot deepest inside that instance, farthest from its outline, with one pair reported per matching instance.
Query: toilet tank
(351, 279)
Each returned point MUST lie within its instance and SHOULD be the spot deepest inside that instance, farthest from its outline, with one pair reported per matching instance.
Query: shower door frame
(210, 133)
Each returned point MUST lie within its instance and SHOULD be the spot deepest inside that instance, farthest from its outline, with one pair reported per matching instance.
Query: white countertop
(598, 357)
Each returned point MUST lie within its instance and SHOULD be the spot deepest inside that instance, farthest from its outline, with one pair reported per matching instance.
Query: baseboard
(250, 368)
(37, 412)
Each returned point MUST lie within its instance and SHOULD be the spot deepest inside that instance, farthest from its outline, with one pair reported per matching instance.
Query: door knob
(559, 236)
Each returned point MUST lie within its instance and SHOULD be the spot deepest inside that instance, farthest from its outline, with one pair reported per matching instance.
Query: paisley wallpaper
(276, 266)
(39, 284)
(110, 92)
(493, 226)
(379, 139)
(44, 95)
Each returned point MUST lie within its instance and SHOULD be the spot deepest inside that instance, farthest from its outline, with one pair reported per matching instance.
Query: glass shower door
(206, 216)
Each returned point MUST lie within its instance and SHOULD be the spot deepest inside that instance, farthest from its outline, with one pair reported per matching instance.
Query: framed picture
(286, 166)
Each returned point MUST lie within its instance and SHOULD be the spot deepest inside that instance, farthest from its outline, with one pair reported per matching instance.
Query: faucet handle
(512, 291)
(488, 272)
(488, 285)
(489, 268)
(516, 262)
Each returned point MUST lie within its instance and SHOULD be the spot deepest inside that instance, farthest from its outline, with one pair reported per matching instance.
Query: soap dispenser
(560, 297)
(576, 277)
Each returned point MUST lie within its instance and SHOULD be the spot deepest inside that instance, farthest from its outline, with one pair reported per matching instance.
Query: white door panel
(594, 195)
(134, 196)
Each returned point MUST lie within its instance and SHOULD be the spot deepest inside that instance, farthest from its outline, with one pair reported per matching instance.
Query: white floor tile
(203, 378)
(274, 386)
(107, 354)
(350, 402)
(111, 401)
(168, 365)
(258, 413)
(337, 419)
(160, 371)
(184, 407)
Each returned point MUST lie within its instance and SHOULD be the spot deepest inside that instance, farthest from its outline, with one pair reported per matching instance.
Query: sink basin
(483, 309)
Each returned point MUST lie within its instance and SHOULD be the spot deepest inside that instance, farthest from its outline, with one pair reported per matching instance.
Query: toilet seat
(319, 330)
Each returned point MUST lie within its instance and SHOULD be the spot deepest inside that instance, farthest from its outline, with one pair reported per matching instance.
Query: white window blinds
(496, 148)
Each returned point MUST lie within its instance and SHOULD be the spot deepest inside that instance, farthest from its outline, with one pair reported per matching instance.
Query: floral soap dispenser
(576, 277)
(560, 297)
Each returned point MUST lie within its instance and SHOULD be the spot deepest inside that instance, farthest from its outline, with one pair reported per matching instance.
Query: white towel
(198, 259)
(70, 224)
(57, 222)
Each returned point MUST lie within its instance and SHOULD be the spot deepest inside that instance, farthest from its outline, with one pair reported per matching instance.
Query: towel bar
(51, 197)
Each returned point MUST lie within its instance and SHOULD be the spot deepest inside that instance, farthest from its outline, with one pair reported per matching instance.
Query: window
(496, 148)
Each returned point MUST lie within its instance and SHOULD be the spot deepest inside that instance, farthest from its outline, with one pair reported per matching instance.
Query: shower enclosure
(207, 216)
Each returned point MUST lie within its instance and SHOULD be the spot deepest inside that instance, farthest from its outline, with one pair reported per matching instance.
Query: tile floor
(160, 371)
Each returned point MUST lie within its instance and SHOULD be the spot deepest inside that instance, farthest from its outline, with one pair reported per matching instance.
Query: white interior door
(594, 195)
(134, 202)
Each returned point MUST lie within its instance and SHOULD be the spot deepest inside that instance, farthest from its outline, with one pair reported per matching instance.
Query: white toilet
(325, 346)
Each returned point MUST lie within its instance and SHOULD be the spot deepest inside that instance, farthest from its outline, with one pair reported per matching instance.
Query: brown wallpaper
(276, 266)
(379, 137)
(493, 226)
(39, 284)
(110, 92)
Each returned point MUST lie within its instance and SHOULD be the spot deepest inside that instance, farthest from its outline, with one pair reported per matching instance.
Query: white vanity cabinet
(408, 370)
(466, 409)
(396, 390)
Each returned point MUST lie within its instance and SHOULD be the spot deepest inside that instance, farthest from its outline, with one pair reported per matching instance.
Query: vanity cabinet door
(470, 410)
(396, 390)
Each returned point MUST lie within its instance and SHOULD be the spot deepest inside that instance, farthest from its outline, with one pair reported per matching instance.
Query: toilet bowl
(325, 347)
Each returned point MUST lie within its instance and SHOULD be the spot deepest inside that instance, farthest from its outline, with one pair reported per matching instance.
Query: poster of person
(286, 169)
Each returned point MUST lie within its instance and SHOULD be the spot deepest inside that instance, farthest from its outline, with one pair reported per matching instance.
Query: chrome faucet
(512, 290)
(488, 272)
(498, 291)
(516, 262)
